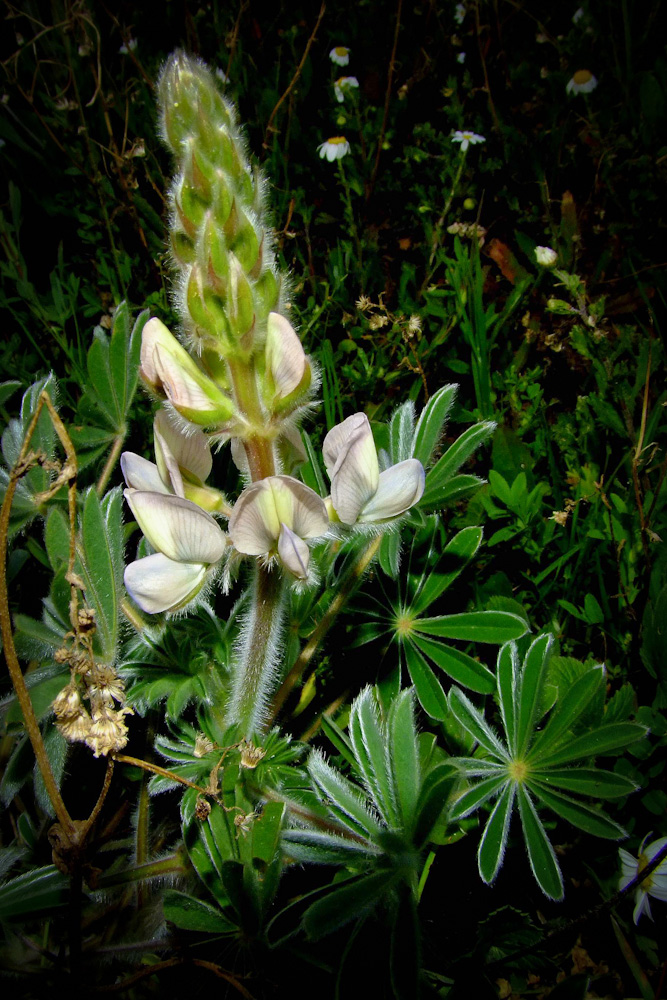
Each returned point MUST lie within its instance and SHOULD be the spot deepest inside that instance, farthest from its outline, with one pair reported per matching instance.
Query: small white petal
(178, 528)
(399, 488)
(293, 552)
(140, 474)
(642, 906)
(190, 449)
(157, 583)
(167, 464)
(309, 518)
(285, 357)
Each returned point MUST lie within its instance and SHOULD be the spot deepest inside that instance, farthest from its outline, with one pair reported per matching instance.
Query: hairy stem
(257, 657)
(347, 588)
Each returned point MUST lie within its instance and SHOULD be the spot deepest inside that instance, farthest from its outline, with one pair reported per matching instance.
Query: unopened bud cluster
(228, 279)
(99, 724)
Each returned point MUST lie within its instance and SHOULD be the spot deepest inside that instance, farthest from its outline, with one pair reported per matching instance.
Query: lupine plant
(293, 537)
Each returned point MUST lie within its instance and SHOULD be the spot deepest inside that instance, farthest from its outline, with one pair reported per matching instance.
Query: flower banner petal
(179, 529)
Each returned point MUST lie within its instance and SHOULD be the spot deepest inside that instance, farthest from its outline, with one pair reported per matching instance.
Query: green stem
(258, 652)
(174, 865)
(110, 463)
(259, 448)
(345, 591)
(435, 240)
(350, 214)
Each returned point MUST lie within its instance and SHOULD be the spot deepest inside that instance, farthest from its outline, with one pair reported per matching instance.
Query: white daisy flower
(467, 138)
(343, 85)
(459, 13)
(461, 57)
(128, 47)
(334, 148)
(582, 82)
(340, 55)
(578, 14)
(654, 884)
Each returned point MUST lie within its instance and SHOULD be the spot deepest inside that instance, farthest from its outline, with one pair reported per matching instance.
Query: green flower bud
(242, 237)
(206, 309)
(240, 304)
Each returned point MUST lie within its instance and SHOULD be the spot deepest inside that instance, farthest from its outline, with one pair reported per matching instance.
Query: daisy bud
(545, 256)
(288, 373)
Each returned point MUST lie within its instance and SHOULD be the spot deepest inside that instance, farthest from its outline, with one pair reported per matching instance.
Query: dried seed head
(68, 703)
(203, 745)
(250, 754)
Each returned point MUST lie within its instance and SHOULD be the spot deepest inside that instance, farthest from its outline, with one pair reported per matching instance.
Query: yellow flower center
(340, 50)
(582, 76)
(337, 140)
(642, 862)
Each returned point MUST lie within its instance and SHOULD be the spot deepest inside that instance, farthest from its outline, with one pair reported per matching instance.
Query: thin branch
(293, 81)
(387, 98)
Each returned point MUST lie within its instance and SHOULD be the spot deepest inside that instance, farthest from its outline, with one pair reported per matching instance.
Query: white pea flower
(360, 493)
(276, 516)
(334, 148)
(340, 55)
(189, 545)
(183, 465)
(654, 884)
(343, 85)
(467, 138)
(582, 82)
(545, 256)
(168, 369)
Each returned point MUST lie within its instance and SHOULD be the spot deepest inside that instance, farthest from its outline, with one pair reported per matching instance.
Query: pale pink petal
(157, 583)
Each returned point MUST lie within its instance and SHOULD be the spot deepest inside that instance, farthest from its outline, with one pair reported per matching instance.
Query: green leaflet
(474, 626)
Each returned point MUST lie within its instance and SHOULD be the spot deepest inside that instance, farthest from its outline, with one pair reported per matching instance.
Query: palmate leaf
(526, 767)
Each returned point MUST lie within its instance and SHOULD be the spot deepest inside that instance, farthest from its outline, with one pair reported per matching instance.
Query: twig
(162, 771)
(105, 475)
(387, 98)
(22, 466)
(292, 83)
